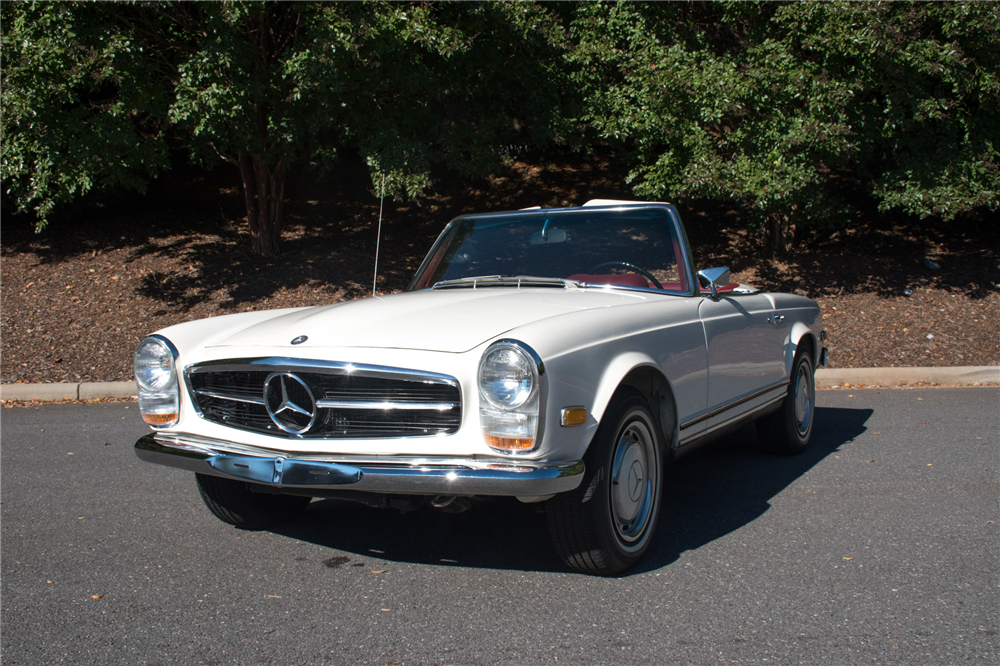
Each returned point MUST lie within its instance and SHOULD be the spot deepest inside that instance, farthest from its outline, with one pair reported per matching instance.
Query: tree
(765, 105)
(79, 106)
(262, 85)
(762, 104)
(925, 86)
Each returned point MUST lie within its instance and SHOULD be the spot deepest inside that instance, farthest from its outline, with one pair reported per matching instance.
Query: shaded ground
(75, 300)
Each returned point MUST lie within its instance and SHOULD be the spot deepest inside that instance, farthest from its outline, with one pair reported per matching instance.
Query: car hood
(454, 320)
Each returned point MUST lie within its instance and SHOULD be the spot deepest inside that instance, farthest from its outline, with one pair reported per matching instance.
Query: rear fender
(800, 336)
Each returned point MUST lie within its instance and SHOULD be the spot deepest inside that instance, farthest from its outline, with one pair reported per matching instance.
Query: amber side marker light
(510, 443)
(574, 416)
(159, 419)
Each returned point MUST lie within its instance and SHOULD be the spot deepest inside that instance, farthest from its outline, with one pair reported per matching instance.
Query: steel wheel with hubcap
(788, 430)
(606, 524)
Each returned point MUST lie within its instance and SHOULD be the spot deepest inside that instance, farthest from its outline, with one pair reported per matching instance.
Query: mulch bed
(76, 299)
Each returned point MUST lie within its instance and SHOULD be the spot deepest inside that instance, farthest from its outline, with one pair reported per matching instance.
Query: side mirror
(713, 278)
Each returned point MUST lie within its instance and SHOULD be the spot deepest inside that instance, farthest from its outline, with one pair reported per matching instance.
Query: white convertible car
(558, 355)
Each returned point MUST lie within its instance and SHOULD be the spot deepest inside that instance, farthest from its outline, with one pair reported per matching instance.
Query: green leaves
(766, 105)
(708, 111)
(76, 112)
(761, 104)
(408, 85)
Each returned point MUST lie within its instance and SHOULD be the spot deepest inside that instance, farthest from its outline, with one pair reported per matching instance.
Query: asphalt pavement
(878, 545)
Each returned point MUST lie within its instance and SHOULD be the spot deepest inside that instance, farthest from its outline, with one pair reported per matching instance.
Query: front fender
(574, 381)
(614, 374)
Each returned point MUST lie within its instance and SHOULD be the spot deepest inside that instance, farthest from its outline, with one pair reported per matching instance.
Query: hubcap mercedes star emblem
(635, 481)
(289, 402)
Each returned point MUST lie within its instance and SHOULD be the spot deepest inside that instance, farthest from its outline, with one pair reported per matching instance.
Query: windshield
(637, 247)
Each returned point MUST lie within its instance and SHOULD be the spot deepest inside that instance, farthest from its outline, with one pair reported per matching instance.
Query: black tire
(788, 430)
(233, 502)
(604, 527)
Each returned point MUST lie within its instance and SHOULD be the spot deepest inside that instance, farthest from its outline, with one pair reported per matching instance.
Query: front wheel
(606, 525)
(233, 502)
(788, 430)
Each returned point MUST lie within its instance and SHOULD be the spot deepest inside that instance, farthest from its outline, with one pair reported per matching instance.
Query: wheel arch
(641, 374)
(800, 338)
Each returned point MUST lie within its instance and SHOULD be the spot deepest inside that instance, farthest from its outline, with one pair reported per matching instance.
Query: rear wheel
(788, 430)
(233, 502)
(606, 524)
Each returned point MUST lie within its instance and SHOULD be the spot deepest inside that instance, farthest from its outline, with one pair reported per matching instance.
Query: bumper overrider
(373, 474)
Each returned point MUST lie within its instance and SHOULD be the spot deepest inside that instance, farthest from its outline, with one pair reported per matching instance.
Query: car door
(745, 355)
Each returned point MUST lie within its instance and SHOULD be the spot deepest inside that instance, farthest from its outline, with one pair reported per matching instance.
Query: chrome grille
(349, 400)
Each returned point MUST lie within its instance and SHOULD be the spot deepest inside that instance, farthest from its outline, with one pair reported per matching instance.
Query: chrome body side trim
(738, 420)
(735, 403)
(379, 474)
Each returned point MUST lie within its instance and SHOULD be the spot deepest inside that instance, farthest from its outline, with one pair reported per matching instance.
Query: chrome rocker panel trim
(376, 474)
(740, 401)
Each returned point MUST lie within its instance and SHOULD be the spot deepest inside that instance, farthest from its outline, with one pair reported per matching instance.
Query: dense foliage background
(784, 110)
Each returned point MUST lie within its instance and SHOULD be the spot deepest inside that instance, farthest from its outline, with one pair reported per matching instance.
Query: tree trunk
(264, 194)
(778, 234)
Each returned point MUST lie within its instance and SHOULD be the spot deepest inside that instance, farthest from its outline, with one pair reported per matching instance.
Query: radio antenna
(378, 237)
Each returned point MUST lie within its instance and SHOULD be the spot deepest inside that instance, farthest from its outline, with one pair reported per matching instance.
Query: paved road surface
(881, 544)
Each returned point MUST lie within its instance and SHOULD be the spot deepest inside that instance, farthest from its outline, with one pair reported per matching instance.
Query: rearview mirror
(546, 236)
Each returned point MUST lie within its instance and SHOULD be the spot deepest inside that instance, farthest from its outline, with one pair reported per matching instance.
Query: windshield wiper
(517, 281)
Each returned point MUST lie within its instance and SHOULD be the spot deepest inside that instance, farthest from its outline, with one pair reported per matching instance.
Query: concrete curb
(962, 375)
(825, 377)
(63, 391)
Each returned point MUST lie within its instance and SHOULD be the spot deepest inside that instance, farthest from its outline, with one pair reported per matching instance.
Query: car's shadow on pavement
(707, 495)
(730, 483)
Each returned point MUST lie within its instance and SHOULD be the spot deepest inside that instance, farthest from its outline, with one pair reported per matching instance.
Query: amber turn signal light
(573, 416)
(510, 443)
(159, 419)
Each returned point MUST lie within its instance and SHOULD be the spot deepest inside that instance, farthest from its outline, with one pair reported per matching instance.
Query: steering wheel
(641, 271)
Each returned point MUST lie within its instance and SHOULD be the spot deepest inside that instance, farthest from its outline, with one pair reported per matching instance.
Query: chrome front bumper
(374, 474)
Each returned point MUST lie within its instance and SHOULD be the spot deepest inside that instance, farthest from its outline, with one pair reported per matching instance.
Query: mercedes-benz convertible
(560, 356)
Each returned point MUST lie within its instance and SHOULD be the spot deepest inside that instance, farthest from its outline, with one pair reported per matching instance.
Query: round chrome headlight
(507, 377)
(153, 365)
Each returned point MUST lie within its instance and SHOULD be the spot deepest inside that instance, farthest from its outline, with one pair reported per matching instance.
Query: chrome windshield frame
(684, 261)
